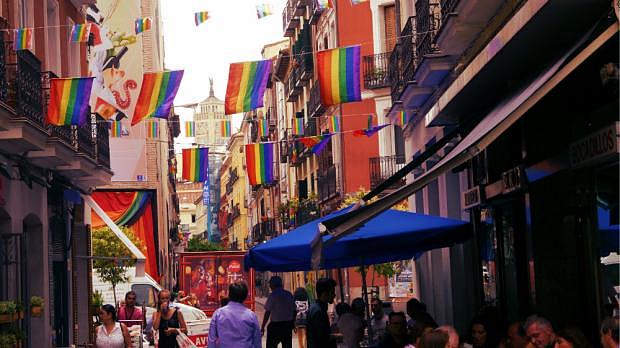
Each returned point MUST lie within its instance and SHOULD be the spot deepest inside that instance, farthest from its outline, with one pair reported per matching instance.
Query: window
(52, 38)
(193, 218)
(389, 18)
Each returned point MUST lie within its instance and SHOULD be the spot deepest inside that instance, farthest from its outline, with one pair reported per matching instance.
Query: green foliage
(107, 245)
(36, 301)
(200, 243)
(7, 340)
(8, 307)
(96, 299)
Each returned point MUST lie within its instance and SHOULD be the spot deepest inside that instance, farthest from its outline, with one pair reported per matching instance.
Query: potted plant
(96, 301)
(36, 306)
(8, 310)
(7, 340)
(19, 311)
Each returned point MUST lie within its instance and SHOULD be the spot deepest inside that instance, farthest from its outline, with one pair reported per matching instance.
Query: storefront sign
(595, 147)
(512, 180)
(471, 198)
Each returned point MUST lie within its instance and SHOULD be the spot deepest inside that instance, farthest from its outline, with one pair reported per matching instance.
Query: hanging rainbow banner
(80, 32)
(195, 164)
(225, 129)
(298, 126)
(334, 122)
(264, 10)
(324, 4)
(200, 17)
(143, 24)
(402, 119)
(190, 129)
(339, 75)
(369, 131)
(69, 98)
(316, 143)
(263, 128)
(246, 86)
(116, 129)
(152, 129)
(259, 161)
(22, 39)
(157, 95)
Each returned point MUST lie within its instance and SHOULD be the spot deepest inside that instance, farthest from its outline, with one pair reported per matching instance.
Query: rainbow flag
(324, 4)
(316, 143)
(264, 10)
(22, 39)
(259, 161)
(116, 129)
(190, 129)
(69, 99)
(156, 95)
(80, 32)
(334, 122)
(246, 86)
(369, 131)
(225, 129)
(402, 119)
(298, 126)
(339, 75)
(143, 24)
(152, 129)
(195, 164)
(263, 128)
(200, 17)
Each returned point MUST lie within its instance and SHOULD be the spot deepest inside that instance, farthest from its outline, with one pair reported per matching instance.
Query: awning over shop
(391, 236)
(502, 117)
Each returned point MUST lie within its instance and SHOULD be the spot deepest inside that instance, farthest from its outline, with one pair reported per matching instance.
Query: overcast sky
(232, 34)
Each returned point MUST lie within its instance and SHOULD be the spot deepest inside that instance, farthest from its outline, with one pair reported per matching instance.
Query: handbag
(184, 342)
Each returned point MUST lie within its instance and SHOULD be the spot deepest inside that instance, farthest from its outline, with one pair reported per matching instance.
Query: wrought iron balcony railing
(329, 182)
(86, 139)
(376, 71)
(103, 144)
(384, 167)
(428, 21)
(315, 107)
(289, 20)
(24, 91)
(395, 73)
(409, 55)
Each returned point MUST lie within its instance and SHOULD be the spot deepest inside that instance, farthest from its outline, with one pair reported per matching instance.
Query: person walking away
(168, 321)
(539, 332)
(351, 324)
(609, 333)
(234, 325)
(379, 319)
(111, 334)
(302, 305)
(129, 311)
(318, 320)
(396, 334)
(280, 309)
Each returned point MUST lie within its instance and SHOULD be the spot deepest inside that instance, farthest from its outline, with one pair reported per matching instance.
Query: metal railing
(289, 22)
(4, 86)
(103, 144)
(310, 127)
(409, 50)
(27, 85)
(315, 107)
(85, 139)
(395, 73)
(428, 21)
(447, 7)
(384, 167)
(329, 182)
(376, 70)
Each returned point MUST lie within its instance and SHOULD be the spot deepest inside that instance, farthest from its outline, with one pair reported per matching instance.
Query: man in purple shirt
(234, 325)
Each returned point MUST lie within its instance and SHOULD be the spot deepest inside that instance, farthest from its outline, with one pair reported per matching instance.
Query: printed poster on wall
(402, 284)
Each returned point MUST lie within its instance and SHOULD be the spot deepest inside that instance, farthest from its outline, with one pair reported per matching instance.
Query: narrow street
(260, 312)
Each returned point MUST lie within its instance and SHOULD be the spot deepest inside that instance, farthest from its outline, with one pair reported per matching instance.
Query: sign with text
(595, 146)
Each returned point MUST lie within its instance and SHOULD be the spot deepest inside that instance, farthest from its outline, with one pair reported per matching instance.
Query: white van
(145, 287)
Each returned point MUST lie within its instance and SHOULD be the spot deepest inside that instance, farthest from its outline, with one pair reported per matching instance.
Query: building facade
(235, 188)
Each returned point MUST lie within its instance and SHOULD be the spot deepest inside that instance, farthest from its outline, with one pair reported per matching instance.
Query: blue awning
(391, 236)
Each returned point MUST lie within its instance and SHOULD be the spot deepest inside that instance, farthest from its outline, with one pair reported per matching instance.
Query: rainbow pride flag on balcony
(259, 161)
(246, 86)
(402, 119)
(225, 128)
(22, 39)
(116, 129)
(152, 129)
(143, 24)
(339, 75)
(298, 126)
(157, 95)
(195, 164)
(264, 10)
(334, 122)
(201, 17)
(316, 143)
(263, 128)
(190, 129)
(69, 99)
(80, 32)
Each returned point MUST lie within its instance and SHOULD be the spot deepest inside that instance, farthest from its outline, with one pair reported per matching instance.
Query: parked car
(196, 320)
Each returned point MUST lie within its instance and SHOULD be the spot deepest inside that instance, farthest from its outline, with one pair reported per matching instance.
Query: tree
(200, 243)
(111, 258)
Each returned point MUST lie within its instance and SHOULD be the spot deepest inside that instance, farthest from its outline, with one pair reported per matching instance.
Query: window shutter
(390, 27)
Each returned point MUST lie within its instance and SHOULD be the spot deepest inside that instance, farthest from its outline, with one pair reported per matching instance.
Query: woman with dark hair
(168, 321)
(111, 333)
(434, 339)
(483, 334)
(571, 337)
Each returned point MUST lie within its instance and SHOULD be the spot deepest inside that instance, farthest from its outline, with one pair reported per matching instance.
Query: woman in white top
(111, 334)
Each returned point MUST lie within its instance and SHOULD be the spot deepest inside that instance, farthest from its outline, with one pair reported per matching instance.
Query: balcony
(376, 71)
(395, 73)
(315, 12)
(291, 88)
(310, 128)
(289, 20)
(264, 230)
(81, 154)
(272, 119)
(329, 183)
(305, 65)
(384, 167)
(315, 107)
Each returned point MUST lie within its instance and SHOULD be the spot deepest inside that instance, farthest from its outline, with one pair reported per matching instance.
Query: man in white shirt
(351, 325)
(378, 320)
(280, 308)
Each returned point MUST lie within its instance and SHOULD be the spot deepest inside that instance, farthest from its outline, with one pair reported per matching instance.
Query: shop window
(487, 241)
